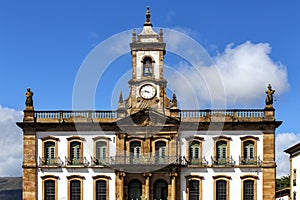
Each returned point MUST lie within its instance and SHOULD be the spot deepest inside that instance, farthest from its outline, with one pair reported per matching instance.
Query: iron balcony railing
(56, 161)
(222, 162)
(147, 160)
(99, 161)
(79, 161)
(250, 161)
(202, 162)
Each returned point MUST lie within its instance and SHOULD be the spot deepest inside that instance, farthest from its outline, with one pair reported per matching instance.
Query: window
(135, 150)
(147, 67)
(193, 187)
(194, 150)
(101, 187)
(221, 152)
(101, 150)
(249, 187)
(75, 152)
(248, 190)
(221, 187)
(75, 187)
(49, 187)
(294, 196)
(49, 152)
(294, 177)
(101, 191)
(160, 151)
(49, 190)
(75, 190)
(248, 152)
(194, 190)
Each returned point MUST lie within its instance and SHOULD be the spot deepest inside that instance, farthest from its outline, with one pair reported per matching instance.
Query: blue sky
(43, 43)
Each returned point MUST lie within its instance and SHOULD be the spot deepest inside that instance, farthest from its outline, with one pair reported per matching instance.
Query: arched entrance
(135, 190)
(160, 190)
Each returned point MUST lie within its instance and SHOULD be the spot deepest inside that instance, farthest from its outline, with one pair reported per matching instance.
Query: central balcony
(147, 160)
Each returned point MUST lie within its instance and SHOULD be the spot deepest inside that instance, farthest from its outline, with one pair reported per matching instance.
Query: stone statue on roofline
(269, 97)
(29, 100)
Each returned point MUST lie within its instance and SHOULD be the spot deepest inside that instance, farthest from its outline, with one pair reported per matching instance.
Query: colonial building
(294, 152)
(149, 148)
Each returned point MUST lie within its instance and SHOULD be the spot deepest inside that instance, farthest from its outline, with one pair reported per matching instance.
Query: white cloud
(236, 77)
(282, 142)
(11, 142)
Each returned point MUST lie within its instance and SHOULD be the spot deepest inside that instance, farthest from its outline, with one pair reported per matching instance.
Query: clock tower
(147, 85)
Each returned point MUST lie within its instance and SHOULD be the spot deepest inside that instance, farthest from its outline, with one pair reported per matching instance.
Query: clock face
(147, 91)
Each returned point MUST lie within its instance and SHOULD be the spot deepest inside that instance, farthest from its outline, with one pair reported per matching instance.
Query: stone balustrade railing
(61, 116)
(241, 113)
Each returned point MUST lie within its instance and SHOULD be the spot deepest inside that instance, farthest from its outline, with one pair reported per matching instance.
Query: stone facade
(149, 148)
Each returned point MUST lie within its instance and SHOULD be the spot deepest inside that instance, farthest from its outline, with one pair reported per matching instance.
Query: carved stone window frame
(251, 139)
(51, 178)
(225, 139)
(75, 178)
(190, 140)
(190, 178)
(101, 178)
(252, 178)
(225, 178)
(101, 139)
(53, 139)
(75, 139)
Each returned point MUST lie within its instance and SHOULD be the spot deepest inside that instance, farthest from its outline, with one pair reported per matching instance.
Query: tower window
(147, 67)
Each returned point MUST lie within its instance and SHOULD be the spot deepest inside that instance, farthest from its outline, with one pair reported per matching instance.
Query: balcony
(250, 161)
(198, 162)
(222, 162)
(99, 162)
(80, 161)
(147, 160)
(50, 162)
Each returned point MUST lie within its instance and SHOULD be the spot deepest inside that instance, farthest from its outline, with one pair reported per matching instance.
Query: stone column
(147, 185)
(173, 176)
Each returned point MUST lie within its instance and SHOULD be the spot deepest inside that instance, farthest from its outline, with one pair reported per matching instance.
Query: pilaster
(120, 185)
(269, 166)
(29, 182)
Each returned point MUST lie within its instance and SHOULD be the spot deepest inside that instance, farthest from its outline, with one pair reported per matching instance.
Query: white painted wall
(296, 165)
(88, 186)
(208, 181)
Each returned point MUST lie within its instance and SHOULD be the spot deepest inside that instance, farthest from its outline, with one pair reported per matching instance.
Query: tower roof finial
(148, 15)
